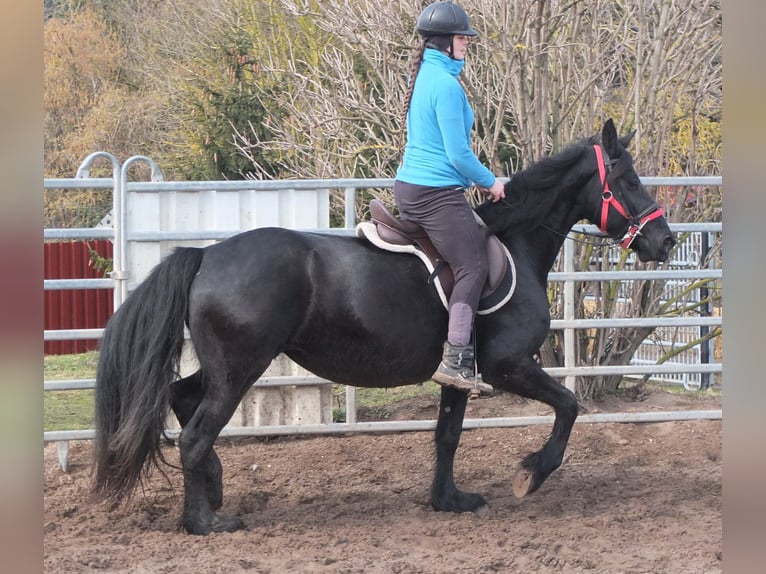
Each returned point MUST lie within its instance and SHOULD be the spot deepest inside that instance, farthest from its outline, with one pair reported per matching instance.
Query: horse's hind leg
(526, 378)
(186, 395)
(196, 445)
(224, 383)
(445, 496)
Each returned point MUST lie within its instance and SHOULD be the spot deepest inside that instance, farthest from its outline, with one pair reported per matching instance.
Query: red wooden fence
(77, 308)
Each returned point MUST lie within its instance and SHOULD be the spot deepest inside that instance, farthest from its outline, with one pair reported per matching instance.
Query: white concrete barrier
(233, 211)
(272, 405)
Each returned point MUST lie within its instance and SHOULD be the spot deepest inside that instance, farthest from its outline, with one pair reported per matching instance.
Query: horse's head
(624, 210)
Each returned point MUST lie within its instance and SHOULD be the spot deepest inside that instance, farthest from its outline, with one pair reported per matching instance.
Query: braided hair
(417, 61)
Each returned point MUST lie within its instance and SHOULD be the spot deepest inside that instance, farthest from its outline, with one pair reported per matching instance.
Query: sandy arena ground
(630, 498)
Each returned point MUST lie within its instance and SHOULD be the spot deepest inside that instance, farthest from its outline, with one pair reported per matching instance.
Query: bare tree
(542, 74)
(670, 88)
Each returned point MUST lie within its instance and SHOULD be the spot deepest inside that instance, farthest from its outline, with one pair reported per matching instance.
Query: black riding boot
(457, 370)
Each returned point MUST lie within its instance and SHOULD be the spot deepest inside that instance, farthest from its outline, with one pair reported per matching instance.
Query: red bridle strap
(606, 195)
(609, 200)
(635, 229)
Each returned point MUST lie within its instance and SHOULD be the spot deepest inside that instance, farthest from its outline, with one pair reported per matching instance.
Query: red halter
(608, 199)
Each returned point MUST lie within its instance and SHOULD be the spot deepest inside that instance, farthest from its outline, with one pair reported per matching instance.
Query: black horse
(350, 313)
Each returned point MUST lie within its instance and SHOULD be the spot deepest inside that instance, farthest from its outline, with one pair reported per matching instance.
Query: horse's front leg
(445, 496)
(527, 379)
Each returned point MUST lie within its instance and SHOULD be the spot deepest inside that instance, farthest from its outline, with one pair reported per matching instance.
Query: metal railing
(121, 187)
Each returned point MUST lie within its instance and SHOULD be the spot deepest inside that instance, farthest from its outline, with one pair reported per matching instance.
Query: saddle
(391, 233)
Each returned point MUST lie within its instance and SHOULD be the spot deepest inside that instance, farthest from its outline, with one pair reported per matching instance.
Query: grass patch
(631, 388)
(378, 403)
(69, 410)
(62, 367)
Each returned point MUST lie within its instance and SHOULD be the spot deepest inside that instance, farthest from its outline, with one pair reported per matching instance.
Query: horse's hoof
(522, 483)
(482, 511)
(219, 523)
(223, 523)
(459, 501)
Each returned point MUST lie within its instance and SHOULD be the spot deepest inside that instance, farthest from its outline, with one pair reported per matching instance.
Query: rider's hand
(497, 191)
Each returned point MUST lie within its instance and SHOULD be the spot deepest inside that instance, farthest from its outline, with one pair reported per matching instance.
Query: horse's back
(276, 256)
(337, 305)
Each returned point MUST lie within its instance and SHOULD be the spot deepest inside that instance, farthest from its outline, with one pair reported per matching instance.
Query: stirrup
(474, 387)
(481, 389)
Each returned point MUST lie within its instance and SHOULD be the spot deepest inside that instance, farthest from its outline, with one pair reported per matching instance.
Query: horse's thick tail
(137, 362)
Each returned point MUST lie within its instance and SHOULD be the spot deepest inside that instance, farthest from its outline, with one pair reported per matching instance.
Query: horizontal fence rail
(349, 187)
(423, 425)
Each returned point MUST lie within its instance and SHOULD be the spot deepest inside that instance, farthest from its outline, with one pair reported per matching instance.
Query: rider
(438, 165)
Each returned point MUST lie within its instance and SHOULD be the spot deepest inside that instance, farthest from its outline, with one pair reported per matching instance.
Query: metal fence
(348, 188)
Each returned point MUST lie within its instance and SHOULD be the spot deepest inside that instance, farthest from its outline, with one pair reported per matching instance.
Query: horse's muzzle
(667, 246)
(662, 253)
(650, 250)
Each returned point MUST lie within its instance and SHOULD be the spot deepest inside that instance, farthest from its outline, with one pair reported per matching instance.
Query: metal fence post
(83, 172)
(705, 311)
(569, 314)
(350, 223)
(120, 267)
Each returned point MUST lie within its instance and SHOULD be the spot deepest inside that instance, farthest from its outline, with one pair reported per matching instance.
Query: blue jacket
(438, 151)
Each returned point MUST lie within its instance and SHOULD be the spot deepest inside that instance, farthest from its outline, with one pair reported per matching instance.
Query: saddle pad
(489, 304)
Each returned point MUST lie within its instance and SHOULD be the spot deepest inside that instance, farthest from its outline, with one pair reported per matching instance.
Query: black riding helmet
(444, 18)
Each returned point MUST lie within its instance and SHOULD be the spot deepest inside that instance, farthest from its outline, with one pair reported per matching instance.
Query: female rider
(438, 165)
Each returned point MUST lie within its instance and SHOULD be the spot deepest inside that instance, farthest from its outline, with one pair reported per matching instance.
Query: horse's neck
(546, 240)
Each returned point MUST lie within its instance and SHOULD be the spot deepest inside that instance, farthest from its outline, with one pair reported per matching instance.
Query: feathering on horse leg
(185, 397)
(196, 445)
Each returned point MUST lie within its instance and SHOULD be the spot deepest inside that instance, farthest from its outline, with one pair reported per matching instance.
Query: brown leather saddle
(398, 232)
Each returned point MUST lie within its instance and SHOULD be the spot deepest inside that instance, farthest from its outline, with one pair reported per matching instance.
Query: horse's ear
(609, 138)
(625, 140)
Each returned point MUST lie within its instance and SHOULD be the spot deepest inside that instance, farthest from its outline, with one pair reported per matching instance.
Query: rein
(564, 235)
(586, 233)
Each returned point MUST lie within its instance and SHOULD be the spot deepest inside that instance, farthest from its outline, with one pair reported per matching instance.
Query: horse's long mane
(532, 192)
